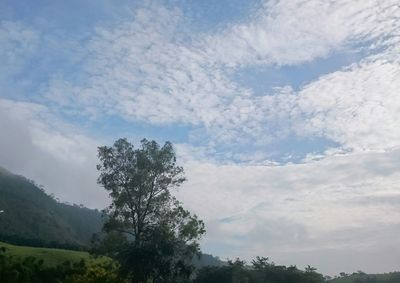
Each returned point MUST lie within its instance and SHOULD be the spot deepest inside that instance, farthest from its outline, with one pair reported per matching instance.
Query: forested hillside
(32, 217)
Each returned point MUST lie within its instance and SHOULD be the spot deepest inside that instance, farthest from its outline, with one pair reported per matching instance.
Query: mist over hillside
(35, 218)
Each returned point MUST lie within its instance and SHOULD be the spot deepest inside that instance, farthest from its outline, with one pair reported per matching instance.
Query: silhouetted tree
(161, 237)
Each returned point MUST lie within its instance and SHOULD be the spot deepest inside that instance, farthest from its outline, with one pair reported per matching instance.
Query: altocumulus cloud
(144, 69)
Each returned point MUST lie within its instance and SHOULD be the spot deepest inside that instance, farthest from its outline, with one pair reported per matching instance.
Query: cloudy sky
(285, 114)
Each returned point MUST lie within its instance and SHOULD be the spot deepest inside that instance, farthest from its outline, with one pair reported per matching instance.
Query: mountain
(207, 260)
(32, 217)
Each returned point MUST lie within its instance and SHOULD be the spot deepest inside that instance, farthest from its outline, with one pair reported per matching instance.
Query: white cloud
(358, 107)
(292, 32)
(252, 185)
(41, 148)
(344, 202)
(146, 69)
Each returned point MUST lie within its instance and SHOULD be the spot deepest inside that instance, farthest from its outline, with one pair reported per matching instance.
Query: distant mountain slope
(207, 260)
(32, 217)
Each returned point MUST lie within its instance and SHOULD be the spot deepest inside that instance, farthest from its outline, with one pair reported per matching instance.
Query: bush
(31, 270)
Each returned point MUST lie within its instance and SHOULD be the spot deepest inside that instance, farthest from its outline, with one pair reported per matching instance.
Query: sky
(284, 114)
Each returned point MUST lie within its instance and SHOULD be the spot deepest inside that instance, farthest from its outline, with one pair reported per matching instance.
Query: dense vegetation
(261, 271)
(31, 217)
(28, 269)
(361, 277)
(27, 264)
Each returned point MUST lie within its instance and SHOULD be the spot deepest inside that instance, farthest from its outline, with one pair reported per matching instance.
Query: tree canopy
(159, 236)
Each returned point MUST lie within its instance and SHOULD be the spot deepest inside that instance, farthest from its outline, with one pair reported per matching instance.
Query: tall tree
(161, 237)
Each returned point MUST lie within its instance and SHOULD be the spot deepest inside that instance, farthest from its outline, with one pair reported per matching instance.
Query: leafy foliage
(32, 270)
(160, 236)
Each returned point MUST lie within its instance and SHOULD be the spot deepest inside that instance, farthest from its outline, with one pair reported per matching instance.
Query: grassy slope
(51, 257)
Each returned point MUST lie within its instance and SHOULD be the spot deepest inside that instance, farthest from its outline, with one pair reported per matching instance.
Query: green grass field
(51, 257)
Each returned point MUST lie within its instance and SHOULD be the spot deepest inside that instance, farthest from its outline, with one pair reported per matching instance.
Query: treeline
(260, 271)
(31, 270)
(361, 277)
